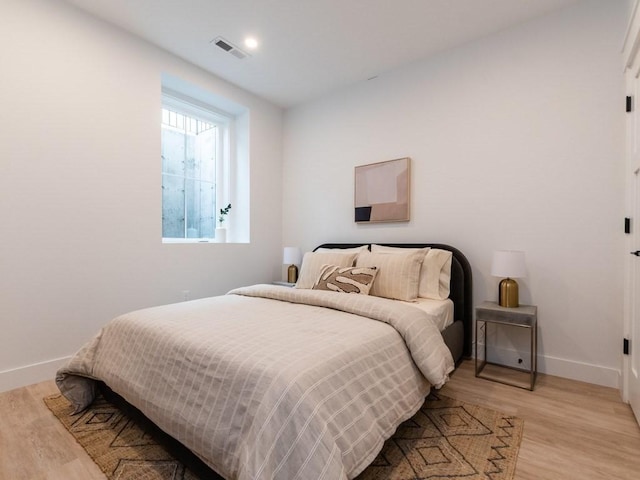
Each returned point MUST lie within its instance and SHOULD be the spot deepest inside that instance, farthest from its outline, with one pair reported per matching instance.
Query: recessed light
(251, 43)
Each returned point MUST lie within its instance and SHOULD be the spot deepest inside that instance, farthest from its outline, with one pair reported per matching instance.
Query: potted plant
(221, 231)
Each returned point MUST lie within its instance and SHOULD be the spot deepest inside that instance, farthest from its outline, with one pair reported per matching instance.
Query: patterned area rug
(445, 439)
(450, 439)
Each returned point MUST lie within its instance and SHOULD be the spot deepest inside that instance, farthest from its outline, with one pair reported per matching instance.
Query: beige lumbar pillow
(346, 279)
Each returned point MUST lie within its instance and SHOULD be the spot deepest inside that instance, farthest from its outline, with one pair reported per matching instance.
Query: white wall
(517, 142)
(80, 198)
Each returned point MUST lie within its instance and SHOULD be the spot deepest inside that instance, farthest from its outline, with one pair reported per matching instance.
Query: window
(195, 160)
(205, 164)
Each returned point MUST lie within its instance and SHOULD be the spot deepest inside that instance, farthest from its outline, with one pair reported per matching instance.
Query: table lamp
(292, 257)
(509, 264)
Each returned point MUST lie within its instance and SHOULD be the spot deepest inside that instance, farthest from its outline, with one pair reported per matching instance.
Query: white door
(631, 362)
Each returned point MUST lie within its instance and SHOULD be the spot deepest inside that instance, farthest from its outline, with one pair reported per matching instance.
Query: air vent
(224, 45)
(229, 47)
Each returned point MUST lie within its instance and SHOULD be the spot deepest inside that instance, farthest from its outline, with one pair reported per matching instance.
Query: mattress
(439, 311)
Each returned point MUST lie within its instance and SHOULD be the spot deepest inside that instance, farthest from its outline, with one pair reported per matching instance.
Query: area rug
(447, 438)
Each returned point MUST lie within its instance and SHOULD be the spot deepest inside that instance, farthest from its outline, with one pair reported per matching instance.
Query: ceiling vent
(229, 47)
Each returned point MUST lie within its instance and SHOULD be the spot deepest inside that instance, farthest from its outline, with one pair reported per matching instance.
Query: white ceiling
(310, 47)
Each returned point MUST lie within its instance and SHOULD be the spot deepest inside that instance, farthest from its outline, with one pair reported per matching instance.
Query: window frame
(225, 123)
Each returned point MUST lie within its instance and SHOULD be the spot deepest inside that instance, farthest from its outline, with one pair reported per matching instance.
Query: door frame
(631, 58)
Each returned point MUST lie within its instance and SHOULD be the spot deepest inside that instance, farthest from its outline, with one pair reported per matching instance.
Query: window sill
(189, 240)
(182, 241)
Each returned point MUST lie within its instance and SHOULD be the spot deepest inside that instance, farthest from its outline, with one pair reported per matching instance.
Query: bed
(276, 382)
(459, 335)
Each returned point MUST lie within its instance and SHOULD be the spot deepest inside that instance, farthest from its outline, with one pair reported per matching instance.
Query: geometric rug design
(120, 446)
(445, 439)
(450, 439)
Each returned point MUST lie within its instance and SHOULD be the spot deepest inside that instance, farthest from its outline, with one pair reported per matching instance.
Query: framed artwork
(382, 191)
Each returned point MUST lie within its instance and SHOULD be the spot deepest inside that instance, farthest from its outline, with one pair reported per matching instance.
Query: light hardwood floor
(572, 430)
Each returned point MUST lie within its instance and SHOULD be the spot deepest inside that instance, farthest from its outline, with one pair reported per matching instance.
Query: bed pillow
(362, 248)
(384, 249)
(404, 251)
(346, 279)
(435, 274)
(435, 281)
(398, 275)
(313, 262)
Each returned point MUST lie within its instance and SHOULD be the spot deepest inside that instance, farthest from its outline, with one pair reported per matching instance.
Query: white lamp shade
(508, 263)
(291, 256)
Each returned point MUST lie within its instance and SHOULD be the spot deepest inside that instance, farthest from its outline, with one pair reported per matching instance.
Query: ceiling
(310, 47)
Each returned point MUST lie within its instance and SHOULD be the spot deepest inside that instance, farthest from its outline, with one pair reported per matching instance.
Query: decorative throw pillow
(398, 276)
(346, 279)
(312, 264)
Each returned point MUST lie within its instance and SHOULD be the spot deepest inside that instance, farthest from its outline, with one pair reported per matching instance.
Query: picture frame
(382, 191)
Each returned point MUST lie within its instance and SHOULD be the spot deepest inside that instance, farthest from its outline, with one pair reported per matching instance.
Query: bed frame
(459, 335)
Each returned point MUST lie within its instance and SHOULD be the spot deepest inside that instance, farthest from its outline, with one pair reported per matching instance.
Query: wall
(516, 142)
(80, 209)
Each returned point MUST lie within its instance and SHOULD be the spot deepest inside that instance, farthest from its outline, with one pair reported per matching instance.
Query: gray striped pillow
(346, 279)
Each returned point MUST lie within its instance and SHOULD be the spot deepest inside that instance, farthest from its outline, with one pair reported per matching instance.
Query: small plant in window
(223, 214)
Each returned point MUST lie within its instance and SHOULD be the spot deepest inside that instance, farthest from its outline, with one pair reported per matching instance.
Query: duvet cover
(269, 382)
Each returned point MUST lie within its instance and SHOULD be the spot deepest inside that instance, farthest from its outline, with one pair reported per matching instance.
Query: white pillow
(398, 274)
(384, 249)
(313, 262)
(437, 266)
(344, 250)
(435, 275)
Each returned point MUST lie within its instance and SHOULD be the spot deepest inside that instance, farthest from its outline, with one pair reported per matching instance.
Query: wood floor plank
(33, 443)
(573, 430)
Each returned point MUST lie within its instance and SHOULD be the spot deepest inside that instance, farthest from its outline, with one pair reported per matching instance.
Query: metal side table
(524, 317)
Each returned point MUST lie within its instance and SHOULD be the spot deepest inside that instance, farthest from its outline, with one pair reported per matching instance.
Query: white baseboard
(584, 372)
(560, 367)
(30, 374)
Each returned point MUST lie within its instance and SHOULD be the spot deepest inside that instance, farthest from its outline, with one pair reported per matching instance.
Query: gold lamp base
(292, 274)
(508, 293)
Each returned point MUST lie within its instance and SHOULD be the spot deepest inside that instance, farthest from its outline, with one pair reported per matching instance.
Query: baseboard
(584, 372)
(30, 374)
(560, 367)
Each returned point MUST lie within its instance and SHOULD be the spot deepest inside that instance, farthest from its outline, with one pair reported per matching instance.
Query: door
(631, 362)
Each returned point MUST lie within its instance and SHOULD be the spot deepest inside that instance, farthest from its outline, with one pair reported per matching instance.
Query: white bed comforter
(269, 382)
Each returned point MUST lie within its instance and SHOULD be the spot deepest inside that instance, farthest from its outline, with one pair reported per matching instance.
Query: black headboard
(461, 284)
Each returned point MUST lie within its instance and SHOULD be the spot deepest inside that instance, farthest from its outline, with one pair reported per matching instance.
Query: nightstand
(523, 317)
(283, 284)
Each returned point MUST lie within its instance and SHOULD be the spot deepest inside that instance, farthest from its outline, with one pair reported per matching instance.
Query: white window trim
(184, 104)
